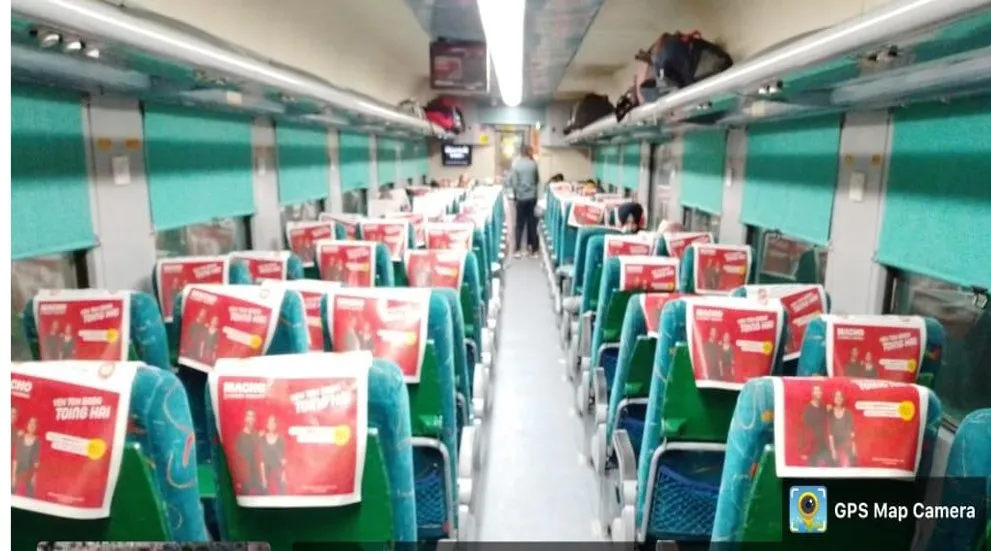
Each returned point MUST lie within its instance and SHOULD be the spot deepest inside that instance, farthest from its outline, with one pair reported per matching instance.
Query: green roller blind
(599, 156)
(304, 163)
(406, 162)
(386, 160)
(937, 209)
(199, 166)
(49, 187)
(611, 170)
(703, 169)
(356, 160)
(631, 165)
(422, 161)
(791, 177)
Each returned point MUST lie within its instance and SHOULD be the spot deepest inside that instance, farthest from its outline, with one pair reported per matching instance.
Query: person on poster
(351, 340)
(13, 427)
(247, 445)
(841, 437)
(814, 419)
(27, 452)
(211, 340)
(273, 459)
(306, 251)
(710, 354)
(870, 369)
(366, 336)
(67, 350)
(726, 358)
(51, 344)
(197, 332)
(710, 274)
(334, 270)
(422, 277)
(853, 367)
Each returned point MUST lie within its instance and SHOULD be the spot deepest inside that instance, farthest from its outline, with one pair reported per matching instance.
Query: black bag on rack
(590, 109)
(684, 59)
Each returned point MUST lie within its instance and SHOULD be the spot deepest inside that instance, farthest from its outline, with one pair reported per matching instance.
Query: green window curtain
(304, 163)
(386, 160)
(406, 162)
(791, 177)
(356, 160)
(703, 167)
(937, 208)
(611, 172)
(599, 157)
(422, 162)
(199, 166)
(631, 165)
(49, 185)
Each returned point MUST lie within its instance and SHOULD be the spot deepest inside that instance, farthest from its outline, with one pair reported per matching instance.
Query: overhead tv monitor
(456, 154)
(459, 66)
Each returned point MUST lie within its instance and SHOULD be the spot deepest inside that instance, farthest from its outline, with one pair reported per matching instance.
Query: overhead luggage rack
(905, 51)
(95, 46)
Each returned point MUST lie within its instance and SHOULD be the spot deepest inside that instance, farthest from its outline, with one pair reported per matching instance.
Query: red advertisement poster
(294, 433)
(303, 237)
(349, 262)
(435, 268)
(641, 244)
(676, 243)
(847, 428)
(586, 213)
(226, 321)
(731, 340)
(175, 273)
(390, 323)
(450, 235)
(85, 324)
(603, 197)
(264, 264)
(417, 220)
(782, 256)
(652, 305)
(803, 303)
(648, 273)
(312, 292)
(348, 221)
(393, 233)
(875, 347)
(720, 268)
(68, 422)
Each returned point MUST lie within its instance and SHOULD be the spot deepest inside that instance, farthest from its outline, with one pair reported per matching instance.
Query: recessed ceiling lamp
(93, 53)
(48, 39)
(503, 22)
(72, 45)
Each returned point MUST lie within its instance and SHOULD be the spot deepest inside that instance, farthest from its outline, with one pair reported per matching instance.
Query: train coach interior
(269, 281)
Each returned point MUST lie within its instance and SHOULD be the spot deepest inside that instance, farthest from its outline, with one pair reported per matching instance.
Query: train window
(355, 201)
(387, 185)
(699, 220)
(783, 259)
(302, 212)
(964, 381)
(27, 277)
(221, 236)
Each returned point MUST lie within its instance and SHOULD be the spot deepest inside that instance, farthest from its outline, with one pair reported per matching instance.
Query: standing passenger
(524, 178)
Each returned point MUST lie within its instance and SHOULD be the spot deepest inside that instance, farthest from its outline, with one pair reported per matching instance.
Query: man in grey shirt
(524, 179)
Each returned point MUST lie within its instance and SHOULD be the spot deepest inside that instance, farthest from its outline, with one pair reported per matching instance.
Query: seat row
(699, 390)
(422, 437)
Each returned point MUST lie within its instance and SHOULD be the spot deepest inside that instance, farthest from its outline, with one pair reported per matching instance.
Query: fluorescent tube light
(503, 22)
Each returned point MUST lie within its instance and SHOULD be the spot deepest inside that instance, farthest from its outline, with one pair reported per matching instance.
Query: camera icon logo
(807, 509)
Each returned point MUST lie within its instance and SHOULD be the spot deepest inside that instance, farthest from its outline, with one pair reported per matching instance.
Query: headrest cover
(875, 347)
(416, 220)
(436, 268)
(449, 235)
(676, 242)
(312, 292)
(83, 324)
(389, 322)
(586, 213)
(303, 236)
(720, 268)
(652, 305)
(731, 340)
(648, 273)
(848, 428)
(803, 303)
(294, 427)
(264, 264)
(639, 244)
(349, 262)
(227, 321)
(173, 274)
(393, 233)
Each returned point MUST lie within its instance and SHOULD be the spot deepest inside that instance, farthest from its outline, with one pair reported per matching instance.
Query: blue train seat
(803, 302)
(156, 495)
(918, 361)
(577, 214)
(302, 237)
(750, 504)
(336, 263)
(689, 409)
(571, 304)
(724, 268)
(148, 339)
(674, 243)
(270, 264)
(386, 511)
(380, 230)
(441, 506)
(969, 461)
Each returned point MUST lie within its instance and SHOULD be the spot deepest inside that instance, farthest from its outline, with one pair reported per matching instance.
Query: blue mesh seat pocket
(685, 494)
(631, 419)
(431, 513)
(609, 359)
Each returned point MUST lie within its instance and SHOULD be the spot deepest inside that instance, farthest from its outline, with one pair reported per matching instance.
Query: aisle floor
(536, 485)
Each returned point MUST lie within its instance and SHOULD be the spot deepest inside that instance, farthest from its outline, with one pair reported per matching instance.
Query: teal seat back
(149, 339)
(791, 295)
(815, 361)
(237, 274)
(688, 268)
(585, 236)
(462, 378)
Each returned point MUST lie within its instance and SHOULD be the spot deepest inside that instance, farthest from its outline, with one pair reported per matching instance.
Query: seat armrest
(627, 462)
(600, 395)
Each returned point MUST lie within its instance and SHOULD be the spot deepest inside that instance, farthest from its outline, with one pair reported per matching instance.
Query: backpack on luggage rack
(590, 109)
(412, 108)
(443, 112)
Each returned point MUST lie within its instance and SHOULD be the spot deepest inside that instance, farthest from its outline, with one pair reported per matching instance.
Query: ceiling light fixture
(48, 39)
(93, 53)
(503, 22)
(72, 45)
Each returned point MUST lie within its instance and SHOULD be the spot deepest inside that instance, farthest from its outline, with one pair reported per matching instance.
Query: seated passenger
(630, 217)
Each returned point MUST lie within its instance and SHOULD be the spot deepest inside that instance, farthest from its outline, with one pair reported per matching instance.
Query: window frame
(757, 238)
(79, 270)
(242, 226)
(362, 193)
(688, 218)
